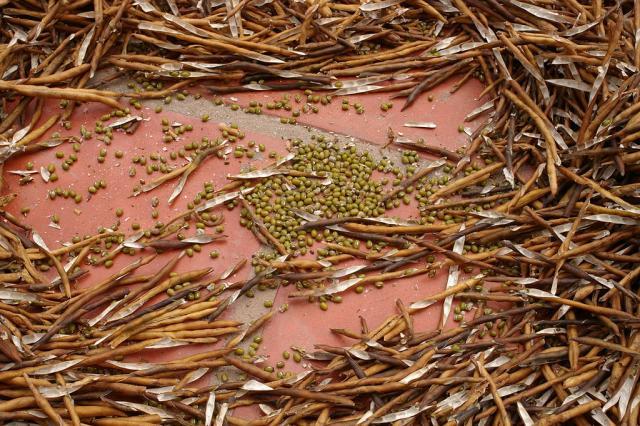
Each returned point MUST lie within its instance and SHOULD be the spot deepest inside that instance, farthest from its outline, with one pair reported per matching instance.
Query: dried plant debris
(543, 203)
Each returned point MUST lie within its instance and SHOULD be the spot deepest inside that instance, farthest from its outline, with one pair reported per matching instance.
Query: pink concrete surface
(447, 110)
(303, 324)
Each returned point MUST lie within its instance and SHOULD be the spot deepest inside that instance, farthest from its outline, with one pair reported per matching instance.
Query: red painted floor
(303, 323)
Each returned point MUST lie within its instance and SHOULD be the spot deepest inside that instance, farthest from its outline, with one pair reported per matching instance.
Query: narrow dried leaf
(360, 354)
(355, 90)
(541, 12)
(104, 313)
(86, 41)
(602, 72)
(168, 343)
(54, 368)
(609, 218)
(44, 173)
(20, 134)
(391, 220)
(347, 271)
(208, 412)
(179, 186)
(23, 173)
(257, 174)
(124, 120)
(185, 25)
(570, 83)
(526, 418)
(147, 409)
(173, 7)
(256, 86)
(417, 374)
(401, 415)
(218, 200)
(319, 356)
(133, 366)
(452, 278)
(462, 47)
(421, 124)
(360, 38)
(538, 293)
(552, 330)
(367, 415)
(501, 360)
(39, 241)
(421, 304)
(148, 26)
(222, 414)
(338, 288)
(144, 5)
(201, 239)
(371, 6)
(58, 391)
(482, 108)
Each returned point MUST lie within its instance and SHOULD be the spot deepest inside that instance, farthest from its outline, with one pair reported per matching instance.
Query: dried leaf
(541, 12)
(452, 278)
(20, 134)
(84, 46)
(44, 173)
(208, 413)
(359, 354)
(367, 415)
(508, 175)
(173, 7)
(11, 295)
(347, 271)
(124, 120)
(58, 391)
(168, 343)
(538, 293)
(609, 218)
(229, 271)
(390, 220)
(501, 360)
(462, 47)
(526, 418)
(147, 409)
(218, 200)
(602, 72)
(148, 26)
(23, 173)
(570, 83)
(482, 108)
(133, 366)
(421, 304)
(201, 239)
(144, 5)
(552, 330)
(257, 174)
(355, 90)
(104, 313)
(417, 374)
(421, 124)
(371, 6)
(222, 414)
(360, 38)
(179, 186)
(39, 241)
(185, 25)
(54, 368)
(401, 415)
(340, 287)
(319, 356)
